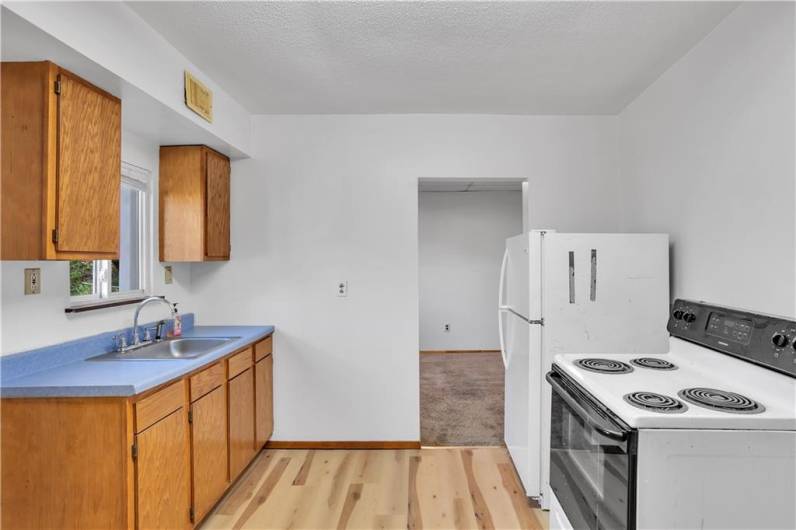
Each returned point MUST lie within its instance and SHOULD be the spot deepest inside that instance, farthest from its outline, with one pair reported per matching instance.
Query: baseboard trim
(376, 444)
(437, 352)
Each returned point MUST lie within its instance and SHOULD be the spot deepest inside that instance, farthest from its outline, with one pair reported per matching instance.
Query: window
(125, 277)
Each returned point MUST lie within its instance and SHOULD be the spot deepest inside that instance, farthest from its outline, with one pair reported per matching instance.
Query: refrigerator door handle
(593, 283)
(571, 277)
(502, 340)
(501, 307)
(502, 282)
(509, 309)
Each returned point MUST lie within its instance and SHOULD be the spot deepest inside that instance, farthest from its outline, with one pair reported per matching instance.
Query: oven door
(592, 459)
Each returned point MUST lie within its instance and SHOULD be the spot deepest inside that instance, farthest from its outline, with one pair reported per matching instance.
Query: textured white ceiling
(434, 57)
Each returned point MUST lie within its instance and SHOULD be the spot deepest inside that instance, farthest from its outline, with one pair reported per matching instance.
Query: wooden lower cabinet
(64, 464)
(146, 462)
(209, 450)
(241, 422)
(263, 400)
(162, 475)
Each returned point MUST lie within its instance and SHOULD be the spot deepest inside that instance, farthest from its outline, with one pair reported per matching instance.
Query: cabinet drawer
(263, 348)
(158, 405)
(207, 380)
(239, 362)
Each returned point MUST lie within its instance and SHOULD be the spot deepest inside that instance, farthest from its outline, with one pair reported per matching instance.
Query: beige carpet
(461, 399)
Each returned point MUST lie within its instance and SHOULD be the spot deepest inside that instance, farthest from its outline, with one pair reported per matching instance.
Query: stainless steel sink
(187, 348)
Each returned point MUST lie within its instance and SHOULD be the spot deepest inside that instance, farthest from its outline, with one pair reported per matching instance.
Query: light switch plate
(32, 281)
(342, 288)
(168, 274)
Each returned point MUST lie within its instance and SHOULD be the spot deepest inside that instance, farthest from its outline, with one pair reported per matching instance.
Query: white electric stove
(701, 437)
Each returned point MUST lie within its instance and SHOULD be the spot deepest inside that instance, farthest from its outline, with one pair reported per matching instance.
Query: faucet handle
(160, 330)
(120, 341)
(147, 335)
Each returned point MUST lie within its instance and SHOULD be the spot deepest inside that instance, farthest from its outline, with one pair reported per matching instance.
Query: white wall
(708, 156)
(462, 238)
(39, 320)
(328, 198)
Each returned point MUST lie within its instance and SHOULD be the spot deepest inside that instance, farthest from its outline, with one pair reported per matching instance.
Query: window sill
(104, 304)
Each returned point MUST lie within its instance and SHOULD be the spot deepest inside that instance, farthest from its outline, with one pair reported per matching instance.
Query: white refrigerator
(572, 293)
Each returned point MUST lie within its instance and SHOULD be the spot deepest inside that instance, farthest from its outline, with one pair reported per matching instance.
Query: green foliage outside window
(115, 276)
(81, 277)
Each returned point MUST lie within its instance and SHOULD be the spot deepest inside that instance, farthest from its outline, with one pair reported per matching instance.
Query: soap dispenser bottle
(177, 331)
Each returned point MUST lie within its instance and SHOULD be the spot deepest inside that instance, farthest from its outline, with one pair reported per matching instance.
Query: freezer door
(606, 293)
(517, 385)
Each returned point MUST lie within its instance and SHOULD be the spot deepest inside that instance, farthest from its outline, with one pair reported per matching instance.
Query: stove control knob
(780, 340)
(689, 317)
(794, 344)
(678, 314)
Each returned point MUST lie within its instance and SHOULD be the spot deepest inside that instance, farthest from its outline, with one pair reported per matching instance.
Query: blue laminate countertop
(84, 378)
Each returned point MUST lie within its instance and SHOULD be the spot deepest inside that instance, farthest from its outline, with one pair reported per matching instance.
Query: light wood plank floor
(431, 488)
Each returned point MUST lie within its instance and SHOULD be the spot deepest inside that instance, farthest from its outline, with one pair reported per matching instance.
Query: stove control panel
(761, 339)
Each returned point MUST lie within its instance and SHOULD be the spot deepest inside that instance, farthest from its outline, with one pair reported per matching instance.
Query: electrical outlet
(342, 288)
(168, 274)
(32, 281)
(446, 328)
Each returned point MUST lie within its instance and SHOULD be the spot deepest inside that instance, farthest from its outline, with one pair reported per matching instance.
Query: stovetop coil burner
(654, 363)
(604, 366)
(721, 400)
(655, 402)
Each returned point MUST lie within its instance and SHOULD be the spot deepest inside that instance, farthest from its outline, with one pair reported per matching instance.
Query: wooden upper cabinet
(89, 168)
(194, 204)
(61, 165)
(217, 235)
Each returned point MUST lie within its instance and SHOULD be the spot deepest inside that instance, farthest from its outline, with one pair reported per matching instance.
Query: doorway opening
(462, 228)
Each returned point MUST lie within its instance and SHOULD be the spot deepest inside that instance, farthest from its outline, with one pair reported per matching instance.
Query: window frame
(140, 179)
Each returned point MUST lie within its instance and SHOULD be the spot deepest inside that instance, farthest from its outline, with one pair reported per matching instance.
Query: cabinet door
(162, 474)
(217, 221)
(88, 168)
(264, 400)
(26, 94)
(241, 422)
(209, 450)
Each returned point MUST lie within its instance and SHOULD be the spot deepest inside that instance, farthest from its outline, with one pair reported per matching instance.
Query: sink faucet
(136, 339)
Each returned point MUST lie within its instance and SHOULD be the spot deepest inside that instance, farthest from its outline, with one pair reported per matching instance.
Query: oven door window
(590, 473)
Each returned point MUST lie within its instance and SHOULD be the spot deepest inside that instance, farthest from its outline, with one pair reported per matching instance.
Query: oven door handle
(598, 426)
